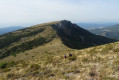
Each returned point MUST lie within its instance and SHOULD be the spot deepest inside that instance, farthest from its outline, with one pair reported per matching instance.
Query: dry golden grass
(99, 62)
(46, 62)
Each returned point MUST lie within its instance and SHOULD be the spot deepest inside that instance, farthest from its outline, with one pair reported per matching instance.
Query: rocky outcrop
(64, 27)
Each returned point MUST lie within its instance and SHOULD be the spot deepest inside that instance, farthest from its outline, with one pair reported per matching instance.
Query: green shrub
(7, 64)
(11, 63)
(3, 65)
(14, 55)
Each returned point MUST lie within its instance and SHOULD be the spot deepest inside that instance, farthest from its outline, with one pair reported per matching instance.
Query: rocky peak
(65, 22)
(65, 26)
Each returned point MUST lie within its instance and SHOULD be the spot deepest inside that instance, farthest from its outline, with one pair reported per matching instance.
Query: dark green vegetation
(110, 32)
(10, 38)
(21, 40)
(4, 65)
(25, 46)
(71, 35)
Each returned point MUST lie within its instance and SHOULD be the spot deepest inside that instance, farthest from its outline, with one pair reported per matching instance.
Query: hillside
(110, 32)
(37, 53)
(100, 62)
(9, 29)
(71, 35)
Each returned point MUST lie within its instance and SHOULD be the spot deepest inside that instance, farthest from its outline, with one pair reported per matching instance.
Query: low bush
(3, 65)
(11, 64)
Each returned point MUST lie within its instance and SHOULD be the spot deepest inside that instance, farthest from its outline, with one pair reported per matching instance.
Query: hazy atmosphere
(30, 12)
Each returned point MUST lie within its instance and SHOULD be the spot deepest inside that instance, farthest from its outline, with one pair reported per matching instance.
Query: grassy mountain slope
(110, 32)
(24, 39)
(100, 62)
(41, 51)
(53, 47)
(71, 35)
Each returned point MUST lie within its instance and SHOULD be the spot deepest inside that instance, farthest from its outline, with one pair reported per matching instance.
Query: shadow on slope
(71, 35)
(76, 37)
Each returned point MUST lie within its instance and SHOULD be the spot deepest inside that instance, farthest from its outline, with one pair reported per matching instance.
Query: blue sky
(30, 12)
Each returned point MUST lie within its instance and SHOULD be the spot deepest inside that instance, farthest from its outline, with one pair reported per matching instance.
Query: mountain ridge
(71, 35)
(37, 53)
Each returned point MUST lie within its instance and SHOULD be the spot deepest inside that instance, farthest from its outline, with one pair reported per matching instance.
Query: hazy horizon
(31, 12)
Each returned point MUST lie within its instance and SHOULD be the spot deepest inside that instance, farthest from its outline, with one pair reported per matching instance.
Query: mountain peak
(71, 35)
(65, 23)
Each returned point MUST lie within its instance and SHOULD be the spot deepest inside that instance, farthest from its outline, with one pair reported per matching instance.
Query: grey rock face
(65, 27)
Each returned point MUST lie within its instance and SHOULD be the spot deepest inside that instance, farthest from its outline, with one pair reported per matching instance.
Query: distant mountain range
(110, 32)
(9, 29)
